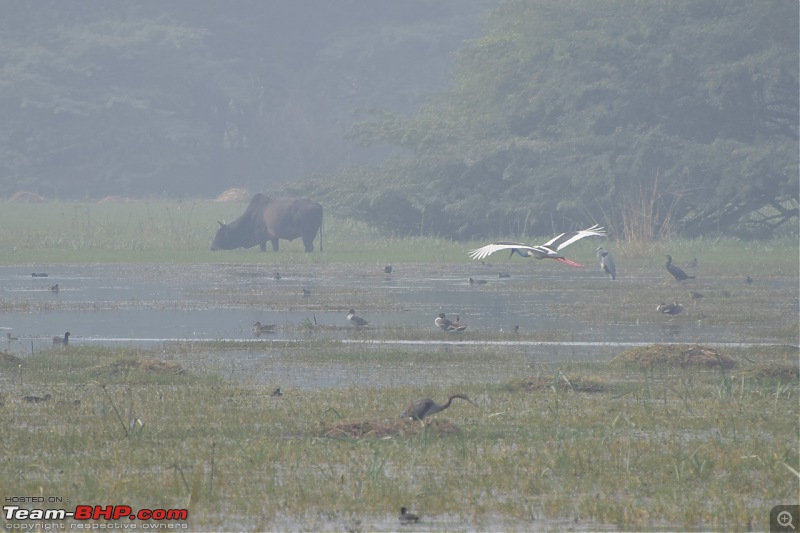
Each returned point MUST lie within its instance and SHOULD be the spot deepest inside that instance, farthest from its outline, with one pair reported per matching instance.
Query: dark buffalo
(266, 219)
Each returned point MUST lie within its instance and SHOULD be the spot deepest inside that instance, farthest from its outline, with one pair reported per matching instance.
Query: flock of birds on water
(424, 407)
(549, 250)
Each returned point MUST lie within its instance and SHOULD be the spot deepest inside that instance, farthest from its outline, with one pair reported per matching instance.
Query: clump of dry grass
(148, 366)
(9, 359)
(781, 372)
(675, 355)
(377, 429)
(562, 383)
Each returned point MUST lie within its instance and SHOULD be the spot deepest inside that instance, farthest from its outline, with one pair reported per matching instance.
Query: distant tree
(652, 117)
(189, 97)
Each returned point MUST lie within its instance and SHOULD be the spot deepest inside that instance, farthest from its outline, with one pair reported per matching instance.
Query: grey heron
(548, 250)
(607, 262)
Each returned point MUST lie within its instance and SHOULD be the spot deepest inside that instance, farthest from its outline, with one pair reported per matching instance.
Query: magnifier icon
(785, 519)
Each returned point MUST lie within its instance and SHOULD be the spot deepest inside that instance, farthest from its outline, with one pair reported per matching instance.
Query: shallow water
(155, 304)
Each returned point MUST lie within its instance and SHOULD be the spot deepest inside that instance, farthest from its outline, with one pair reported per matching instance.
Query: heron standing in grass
(607, 262)
(423, 407)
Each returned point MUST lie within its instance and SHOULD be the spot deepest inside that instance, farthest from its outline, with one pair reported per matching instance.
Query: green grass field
(181, 232)
(639, 443)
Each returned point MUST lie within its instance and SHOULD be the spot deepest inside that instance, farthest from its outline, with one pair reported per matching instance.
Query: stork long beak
(568, 262)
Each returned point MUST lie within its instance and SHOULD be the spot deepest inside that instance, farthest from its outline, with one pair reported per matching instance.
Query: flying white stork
(548, 250)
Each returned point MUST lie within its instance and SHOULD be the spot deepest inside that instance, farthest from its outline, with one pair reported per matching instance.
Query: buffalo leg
(309, 244)
(274, 245)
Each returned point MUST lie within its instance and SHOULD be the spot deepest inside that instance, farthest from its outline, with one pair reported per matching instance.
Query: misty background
(454, 118)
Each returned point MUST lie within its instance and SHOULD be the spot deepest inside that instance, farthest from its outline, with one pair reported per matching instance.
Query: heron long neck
(450, 400)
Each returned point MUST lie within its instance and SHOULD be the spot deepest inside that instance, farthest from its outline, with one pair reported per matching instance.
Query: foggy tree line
(653, 118)
(189, 97)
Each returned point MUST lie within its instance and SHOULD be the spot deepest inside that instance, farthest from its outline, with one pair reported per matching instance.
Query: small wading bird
(607, 262)
(669, 309)
(387, 269)
(406, 517)
(259, 328)
(448, 325)
(357, 321)
(548, 250)
(676, 272)
(61, 340)
(423, 407)
(54, 288)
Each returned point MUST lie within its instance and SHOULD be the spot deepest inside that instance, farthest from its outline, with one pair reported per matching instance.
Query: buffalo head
(224, 239)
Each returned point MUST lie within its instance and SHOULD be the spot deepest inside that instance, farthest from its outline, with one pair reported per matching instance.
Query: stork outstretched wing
(547, 250)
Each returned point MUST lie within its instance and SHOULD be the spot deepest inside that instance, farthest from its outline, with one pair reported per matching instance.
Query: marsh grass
(181, 232)
(638, 452)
